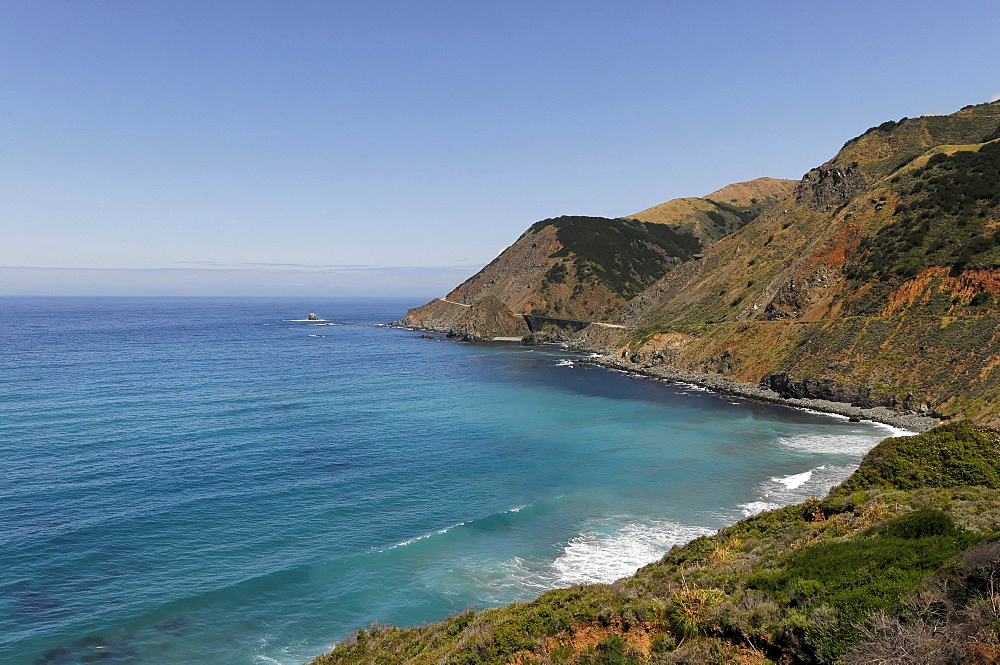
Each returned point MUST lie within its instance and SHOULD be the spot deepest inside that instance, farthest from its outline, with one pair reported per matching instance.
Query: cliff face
(879, 269)
(489, 317)
(570, 267)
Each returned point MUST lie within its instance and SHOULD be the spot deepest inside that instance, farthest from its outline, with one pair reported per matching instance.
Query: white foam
(593, 556)
(301, 320)
(796, 480)
(757, 507)
(563, 362)
(264, 658)
(895, 431)
(892, 429)
(785, 490)
(691, 386)
(426, 535)
(844, 444)
(600, 557)
(439, 532)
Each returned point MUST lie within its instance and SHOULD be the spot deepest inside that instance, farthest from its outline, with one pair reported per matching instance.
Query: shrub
(943, 222)
(953, 455)
(612, 650)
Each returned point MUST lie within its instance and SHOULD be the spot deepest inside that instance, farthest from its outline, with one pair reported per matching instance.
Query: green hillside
(625, 255)
(948, 215)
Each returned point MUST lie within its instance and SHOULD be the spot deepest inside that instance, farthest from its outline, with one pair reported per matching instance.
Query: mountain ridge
(873, 281)
(897, 236)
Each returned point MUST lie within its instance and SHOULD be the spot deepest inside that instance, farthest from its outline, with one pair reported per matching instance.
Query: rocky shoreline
(908, 421)
(720, 384)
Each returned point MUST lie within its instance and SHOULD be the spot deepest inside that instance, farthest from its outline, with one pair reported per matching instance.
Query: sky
(393, 148)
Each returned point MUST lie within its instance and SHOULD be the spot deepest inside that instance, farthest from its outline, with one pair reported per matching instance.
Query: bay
(215, 480)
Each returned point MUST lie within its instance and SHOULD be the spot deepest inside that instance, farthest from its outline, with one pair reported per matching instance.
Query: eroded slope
(882, 268)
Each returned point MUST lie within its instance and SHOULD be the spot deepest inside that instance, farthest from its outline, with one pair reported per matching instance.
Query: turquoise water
(205, 481)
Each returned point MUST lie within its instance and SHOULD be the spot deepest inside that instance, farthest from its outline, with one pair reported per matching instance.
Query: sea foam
(600, 557)
(757, 507)
(795, 480)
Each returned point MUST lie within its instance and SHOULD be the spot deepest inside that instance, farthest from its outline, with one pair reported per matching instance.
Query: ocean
(216, 481)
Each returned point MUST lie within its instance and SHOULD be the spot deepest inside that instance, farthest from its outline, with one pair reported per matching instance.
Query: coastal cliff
(588, 268)
(879, 270)
(872, 283)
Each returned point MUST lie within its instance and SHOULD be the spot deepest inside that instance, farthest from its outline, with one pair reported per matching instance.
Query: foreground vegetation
(897, 565)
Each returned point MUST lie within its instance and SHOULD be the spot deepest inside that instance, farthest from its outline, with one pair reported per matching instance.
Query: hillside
(569, 267)
(880, 269)
(874, 280)
(897, 564)
(589, 267)
(720, 213)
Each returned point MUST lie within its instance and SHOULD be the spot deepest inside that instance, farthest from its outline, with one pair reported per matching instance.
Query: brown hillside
(743, 193)
(840, 246)
(721, 212)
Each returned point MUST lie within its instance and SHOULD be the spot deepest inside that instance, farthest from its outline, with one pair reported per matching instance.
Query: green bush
(857, 577)
(954, 455)
(922, 523)
(944, 219)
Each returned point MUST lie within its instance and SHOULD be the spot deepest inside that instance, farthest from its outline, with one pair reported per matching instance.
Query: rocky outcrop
(826, 189)
(815, 388)
(800, 294)
(489, 317)
(484, 319)
(837, 391)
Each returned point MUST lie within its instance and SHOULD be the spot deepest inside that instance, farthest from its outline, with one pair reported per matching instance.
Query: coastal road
(596, 323)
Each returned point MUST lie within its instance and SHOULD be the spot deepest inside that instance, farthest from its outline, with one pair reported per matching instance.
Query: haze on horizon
(390, 148)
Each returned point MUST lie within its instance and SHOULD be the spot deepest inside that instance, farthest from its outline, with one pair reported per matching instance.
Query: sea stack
(313, 317)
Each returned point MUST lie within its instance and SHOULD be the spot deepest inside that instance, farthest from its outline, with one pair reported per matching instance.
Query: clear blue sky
(377, 148)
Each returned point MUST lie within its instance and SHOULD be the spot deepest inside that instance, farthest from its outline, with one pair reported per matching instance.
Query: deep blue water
(206, 481)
